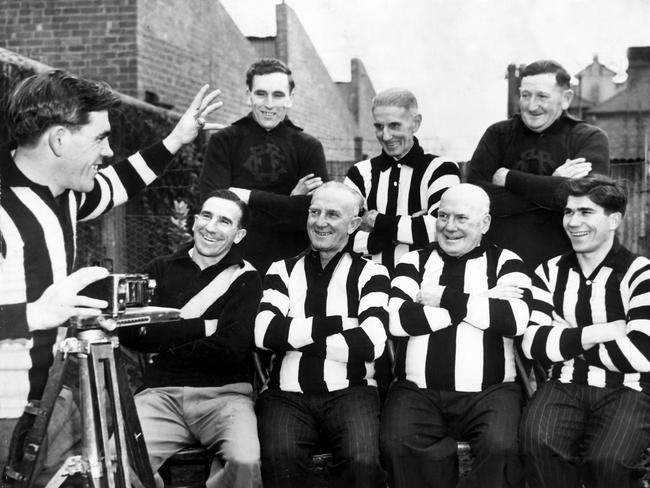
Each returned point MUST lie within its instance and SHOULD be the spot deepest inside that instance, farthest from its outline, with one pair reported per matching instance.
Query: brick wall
(364, 91)
(185, 44)
(626, 131)
(318, 106)
(171, 47)
(93, 38)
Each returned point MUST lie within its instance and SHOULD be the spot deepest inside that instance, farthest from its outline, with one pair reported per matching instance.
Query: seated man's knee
(393, 441)
(532, 438)
(607, 464)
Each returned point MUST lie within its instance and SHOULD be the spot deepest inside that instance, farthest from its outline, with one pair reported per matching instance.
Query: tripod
(104, 395)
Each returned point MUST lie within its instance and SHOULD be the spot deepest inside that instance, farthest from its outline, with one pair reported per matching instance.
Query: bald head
(463, 219)
(472, 194)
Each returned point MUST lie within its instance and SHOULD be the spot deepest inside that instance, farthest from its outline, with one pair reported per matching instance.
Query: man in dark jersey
(270, 163)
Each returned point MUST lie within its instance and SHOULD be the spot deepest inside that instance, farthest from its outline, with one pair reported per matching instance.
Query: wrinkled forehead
(543, 82)
(221, 206)
(465, 199)
(334, 199)
(392, 113)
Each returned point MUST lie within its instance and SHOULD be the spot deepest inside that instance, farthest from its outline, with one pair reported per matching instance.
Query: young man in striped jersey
(455, 308)
(198, 386)
(50, 179)
(323, 314)
(590, 322)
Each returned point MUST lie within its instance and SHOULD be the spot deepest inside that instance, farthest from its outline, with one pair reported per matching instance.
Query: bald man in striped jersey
(590, 324)
(455, 308)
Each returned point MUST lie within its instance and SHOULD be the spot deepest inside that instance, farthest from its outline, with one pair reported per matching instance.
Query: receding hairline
(396, 97)
(357, 199)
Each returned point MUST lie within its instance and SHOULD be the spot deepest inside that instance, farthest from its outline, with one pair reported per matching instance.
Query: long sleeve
(216, 172)
(115, 184)
(489, 156)
(629, 354)
(286, 211)
(366, 342)
(542, 341)
(408, 317)
(31, 211)
(503, 317)
(540, 189)
(229, 344)
(343, 339)
(233, 339)
(420, 230)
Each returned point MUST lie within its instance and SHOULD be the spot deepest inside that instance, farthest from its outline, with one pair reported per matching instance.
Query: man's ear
(290, 101)
(417, 120)
(354, 224)
(485, 223)
(239, 235)
(567, 96)
(56, 138)
(615, 219)
(249, 97)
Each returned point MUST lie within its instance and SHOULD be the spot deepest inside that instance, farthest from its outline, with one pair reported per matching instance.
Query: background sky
(453, 54)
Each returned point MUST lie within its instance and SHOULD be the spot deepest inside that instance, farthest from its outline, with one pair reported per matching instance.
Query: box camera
(122, 291)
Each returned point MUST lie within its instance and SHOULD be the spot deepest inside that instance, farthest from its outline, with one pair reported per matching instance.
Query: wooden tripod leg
(33, 449)
(137, 449)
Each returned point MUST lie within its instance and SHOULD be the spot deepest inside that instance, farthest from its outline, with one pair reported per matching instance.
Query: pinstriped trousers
(292, 426)
(572, 434)
(420, 427)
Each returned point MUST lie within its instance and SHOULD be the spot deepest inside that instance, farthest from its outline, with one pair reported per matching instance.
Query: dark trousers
(292, 425)
(420, 427)
(573, 434)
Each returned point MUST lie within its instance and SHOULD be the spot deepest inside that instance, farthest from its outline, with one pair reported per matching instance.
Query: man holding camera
(197, 388)
(50, 180)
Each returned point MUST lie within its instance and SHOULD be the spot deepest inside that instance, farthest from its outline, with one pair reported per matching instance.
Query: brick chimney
(638, 65)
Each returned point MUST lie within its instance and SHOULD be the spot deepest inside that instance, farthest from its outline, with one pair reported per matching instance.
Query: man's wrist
(172, 143)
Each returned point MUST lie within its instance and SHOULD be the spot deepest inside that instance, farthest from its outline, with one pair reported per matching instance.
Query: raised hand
(193, 120)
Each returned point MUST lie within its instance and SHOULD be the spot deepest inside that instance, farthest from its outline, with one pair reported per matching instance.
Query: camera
(122, 291)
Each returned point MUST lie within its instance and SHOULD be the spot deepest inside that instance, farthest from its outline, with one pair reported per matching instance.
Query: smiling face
(332, 219)
(270, 97)
(216, 229)
(463, 218)
(541, 101)
(590, 229)
(80, 153)
(395, 128)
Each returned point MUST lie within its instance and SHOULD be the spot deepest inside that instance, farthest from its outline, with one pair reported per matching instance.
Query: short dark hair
(602, 190)
(231, 196)
(266, 66)
(52, 98)
(562, 76)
